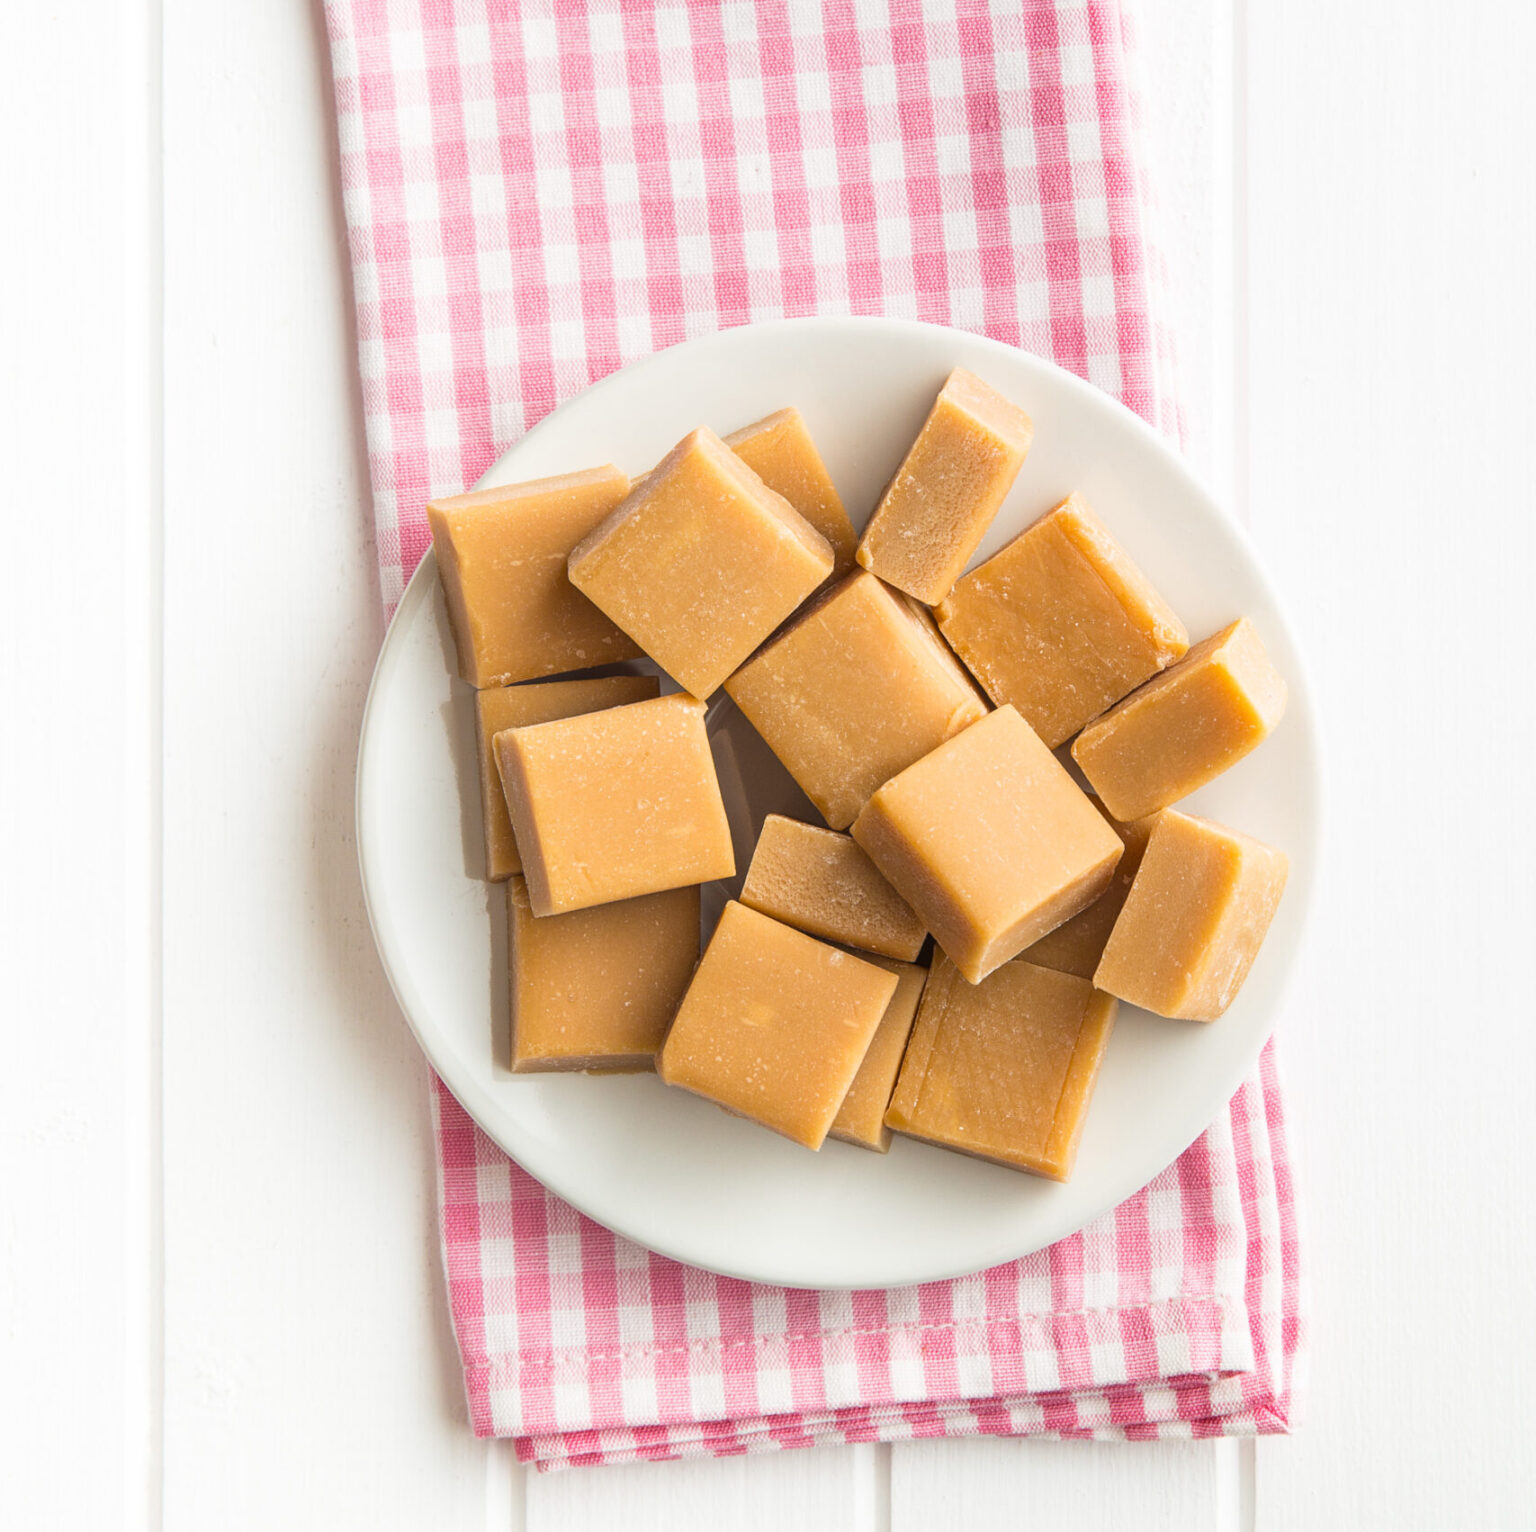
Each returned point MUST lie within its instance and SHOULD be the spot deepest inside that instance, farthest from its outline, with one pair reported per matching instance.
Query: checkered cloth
(539, 192)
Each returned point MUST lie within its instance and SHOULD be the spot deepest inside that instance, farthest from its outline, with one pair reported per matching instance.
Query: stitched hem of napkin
(1181, 1311)
(1016, 1358)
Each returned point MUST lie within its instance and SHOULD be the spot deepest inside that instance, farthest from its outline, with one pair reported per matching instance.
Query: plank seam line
(143, 379)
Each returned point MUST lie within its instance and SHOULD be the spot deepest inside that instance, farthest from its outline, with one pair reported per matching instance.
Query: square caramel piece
(775, 1025)
(860, 1119)
(1185, 726)
(1076, 945)
(990, 841)
(701, 563)
(1061, 623)
(597, 989)
(502, 554)
(1194, 921)
(858, 687)
(1005, 1069)
(506, 707)
(823, 882)
(957, 473)
(615, 804)
(779, 450)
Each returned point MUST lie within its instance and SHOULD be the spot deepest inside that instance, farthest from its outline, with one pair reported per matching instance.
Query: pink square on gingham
(539, 192)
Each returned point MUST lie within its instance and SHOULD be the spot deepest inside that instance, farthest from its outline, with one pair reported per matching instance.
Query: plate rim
(482, 1107)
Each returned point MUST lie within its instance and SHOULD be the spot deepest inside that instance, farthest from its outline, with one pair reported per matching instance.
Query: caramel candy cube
(775, 1025)
(858, 687)
(701, 563)
(1197, 914)
(1185, 726)
(824, 883)
(1076, 945)
(597, 989)
(779, 450)
(502, 554)
(990, 841)
(957, 473)
(1005, 1069)
(506, 707)
(1061, 623)
(860, 1119)
(615, 804)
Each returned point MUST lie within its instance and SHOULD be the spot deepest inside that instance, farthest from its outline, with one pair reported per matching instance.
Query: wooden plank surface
(832, 1491)
(1391, 238)
(1004, 1486)
(72, 1298)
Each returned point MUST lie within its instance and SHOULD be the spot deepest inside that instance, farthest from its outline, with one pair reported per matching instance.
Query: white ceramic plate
(668, 1169)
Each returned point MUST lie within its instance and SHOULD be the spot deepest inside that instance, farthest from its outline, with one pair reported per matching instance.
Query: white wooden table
(220, 1300)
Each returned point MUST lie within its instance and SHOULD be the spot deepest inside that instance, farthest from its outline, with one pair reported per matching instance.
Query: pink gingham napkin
(538, 192)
